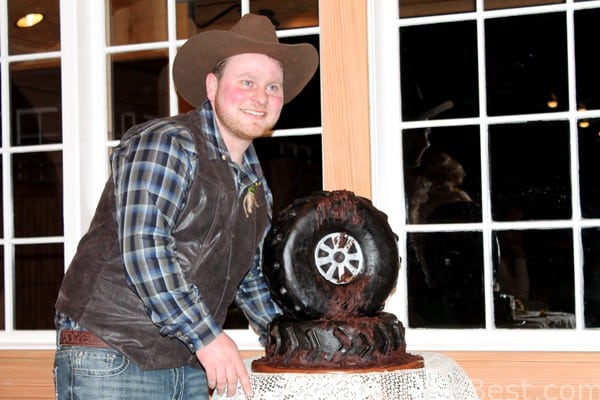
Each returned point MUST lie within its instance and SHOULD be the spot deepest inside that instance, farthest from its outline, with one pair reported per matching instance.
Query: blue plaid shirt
(152, 173)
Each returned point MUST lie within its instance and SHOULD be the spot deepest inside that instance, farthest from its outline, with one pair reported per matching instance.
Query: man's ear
(211, 86)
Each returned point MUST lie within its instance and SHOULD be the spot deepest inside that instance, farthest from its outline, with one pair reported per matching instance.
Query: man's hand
(223, 364)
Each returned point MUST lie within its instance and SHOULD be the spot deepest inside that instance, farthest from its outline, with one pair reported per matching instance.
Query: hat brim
(199, 55)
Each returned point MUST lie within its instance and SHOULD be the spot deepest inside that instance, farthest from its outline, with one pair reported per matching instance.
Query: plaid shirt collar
(250, 170)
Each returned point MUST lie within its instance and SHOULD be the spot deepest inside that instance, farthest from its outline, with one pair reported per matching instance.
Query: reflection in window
(438, 63)
(530, 171)
(126, 18)
(526, 59)
(38, 273)
(42, 37)
(587, 30)
(139, 89)
(38, 194)
(304, 111)
(534, 282)
(292, 166)
(591, 276)
(445, 280)
(496, 4)
(36, 109)
(589, 165)
(2, 290)
(420, 8)
(442, 168)
(287, 14)
(194, 16)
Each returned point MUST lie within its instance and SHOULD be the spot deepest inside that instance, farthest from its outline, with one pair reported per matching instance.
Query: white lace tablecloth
(440, 378)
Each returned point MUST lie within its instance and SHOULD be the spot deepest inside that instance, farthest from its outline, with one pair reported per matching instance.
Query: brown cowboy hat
(251, 34)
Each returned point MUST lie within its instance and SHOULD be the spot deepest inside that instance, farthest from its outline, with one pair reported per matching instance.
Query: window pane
(38, 273)
(200, 15)
(442, 173)
(36, 103)
(38, 194)
(137, 21)
(529, 168)
(2, 290)
(495, 4)
(589, 165)
(445, 280)
(140, 89)
(526, 62)
(304, 110)
(587, 30)
(591, 276)
(42, 37)
(534, 279)
(292, 165)
(288, 14)
(438, 63)
(419, 8)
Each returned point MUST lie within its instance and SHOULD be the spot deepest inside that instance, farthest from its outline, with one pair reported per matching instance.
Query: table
(546, 319)
(440, 378)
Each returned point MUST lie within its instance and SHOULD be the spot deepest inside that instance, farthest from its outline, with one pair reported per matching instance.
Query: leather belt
(69, 337)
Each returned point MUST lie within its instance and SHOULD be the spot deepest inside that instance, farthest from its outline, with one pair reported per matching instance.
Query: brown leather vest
(215, 245)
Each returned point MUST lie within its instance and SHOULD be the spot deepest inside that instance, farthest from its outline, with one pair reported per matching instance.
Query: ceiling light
(553, 102)
(30, 20)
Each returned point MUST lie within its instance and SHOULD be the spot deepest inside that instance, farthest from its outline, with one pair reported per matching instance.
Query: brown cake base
(361, 344)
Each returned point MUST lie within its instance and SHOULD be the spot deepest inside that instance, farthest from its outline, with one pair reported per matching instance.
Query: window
(494, 122)
(108, 63)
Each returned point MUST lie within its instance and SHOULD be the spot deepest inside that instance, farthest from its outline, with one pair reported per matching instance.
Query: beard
(241, 128)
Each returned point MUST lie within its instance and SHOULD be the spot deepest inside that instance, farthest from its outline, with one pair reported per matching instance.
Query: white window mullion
(85, 108)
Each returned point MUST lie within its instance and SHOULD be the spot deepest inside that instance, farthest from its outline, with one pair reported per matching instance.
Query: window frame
(388, 185)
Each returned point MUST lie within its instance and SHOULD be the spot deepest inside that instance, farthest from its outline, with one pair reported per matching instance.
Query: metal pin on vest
(250, 199)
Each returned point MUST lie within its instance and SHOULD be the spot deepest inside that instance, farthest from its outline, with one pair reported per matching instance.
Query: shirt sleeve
(254, 299)
(152, 173)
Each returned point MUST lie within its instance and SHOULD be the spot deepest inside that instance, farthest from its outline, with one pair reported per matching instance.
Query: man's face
(248, 97)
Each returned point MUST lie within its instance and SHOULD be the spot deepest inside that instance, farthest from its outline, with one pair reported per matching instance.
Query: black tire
(331, 254)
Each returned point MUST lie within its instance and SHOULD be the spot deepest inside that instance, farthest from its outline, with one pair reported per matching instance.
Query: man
(178, 231)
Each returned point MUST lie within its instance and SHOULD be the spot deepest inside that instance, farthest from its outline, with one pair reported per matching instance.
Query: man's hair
(219, 67)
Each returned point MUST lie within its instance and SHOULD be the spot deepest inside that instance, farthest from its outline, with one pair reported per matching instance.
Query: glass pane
(442, 174)
(288, 14)
(534, 283)
(495, 4)
(304, 110)
(445, 280)
(36, 103)
(587, 30)
(199, 15)
(589, 165)
(292, 165)
(438, 63)
(41, 37)
(591, 276)
(38, 273)
(137, 21)
(1, 203)
(419, 8)
(526, 64)
(529, 171)
(140, 89)
(38, 194)
(2, 291)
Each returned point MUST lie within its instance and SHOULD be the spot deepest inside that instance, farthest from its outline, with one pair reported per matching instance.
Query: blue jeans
(90, 373)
